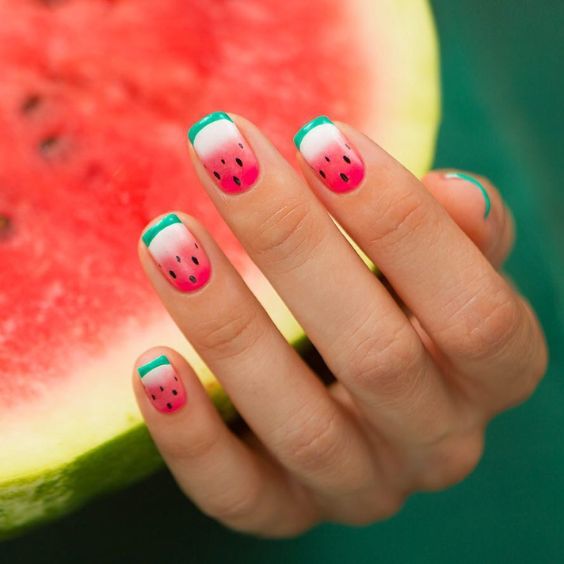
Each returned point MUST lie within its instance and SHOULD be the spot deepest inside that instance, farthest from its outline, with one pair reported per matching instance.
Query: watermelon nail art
(162, 385)
(224, 152)
(328, 152)
(180, 257)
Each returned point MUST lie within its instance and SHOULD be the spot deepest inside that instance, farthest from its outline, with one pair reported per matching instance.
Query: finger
(355, 324)
(213, 467)
(282, 401)
(465, 306)
(478, 209)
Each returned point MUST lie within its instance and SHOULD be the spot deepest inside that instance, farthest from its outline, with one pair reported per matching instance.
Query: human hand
(422, 362)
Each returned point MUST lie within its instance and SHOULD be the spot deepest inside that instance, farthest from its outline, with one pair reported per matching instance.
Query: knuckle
(398, 218)
(449, 462)
(393, 361)
(233, 507)
(232, 335)
(314, 444)
(288, 236)
(199, 445)
(489, 328)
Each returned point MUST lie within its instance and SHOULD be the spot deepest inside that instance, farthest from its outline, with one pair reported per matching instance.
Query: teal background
(503, 77)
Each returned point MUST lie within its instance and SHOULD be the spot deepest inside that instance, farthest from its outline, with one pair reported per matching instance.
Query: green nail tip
(199, 125)
(146, 368)
(152, 231)
(478, 184)
(304, 130)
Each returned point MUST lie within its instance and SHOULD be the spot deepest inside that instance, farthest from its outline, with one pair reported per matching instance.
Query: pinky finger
(219, 472)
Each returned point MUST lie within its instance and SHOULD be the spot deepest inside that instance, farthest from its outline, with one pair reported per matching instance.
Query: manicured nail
(178, 254)
(224, 152)
(329, 153)
(162, 385)
(475, 182)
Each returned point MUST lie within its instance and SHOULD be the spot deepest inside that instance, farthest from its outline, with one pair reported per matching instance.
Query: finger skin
(495, 234)
(216, 469)
(469, 311)
(279, 397)
(346, 312)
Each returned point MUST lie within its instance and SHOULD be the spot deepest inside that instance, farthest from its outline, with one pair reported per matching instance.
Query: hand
(421, 362)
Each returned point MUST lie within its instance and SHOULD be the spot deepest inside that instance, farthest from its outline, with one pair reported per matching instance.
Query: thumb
(478, 209)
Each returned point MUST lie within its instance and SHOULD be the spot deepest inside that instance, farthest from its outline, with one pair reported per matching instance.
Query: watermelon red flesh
(95, 101)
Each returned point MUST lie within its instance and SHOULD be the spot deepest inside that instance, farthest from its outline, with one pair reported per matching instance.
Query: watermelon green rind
(157, 227)
(206, 120)
(307, 128)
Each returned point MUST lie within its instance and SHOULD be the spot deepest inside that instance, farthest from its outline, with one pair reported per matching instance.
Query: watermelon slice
(96, 98)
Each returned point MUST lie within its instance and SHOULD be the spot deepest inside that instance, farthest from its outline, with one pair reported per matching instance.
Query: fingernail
(475, 182)
(182, 260)
(224, 152)
(162, 385)
(329, 153)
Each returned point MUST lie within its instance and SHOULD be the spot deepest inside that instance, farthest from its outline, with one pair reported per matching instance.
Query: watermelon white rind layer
(46, 474)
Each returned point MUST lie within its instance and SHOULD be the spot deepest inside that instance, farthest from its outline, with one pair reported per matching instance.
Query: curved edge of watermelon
(408, 131)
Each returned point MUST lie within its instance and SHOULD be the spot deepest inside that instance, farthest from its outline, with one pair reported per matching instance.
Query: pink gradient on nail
(339, 166)
(233, 166)
(164, 389)
(182, 260)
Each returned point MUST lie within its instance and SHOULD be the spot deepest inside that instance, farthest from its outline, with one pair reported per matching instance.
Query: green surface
(503, 82)
(154, 230)
(159, 361)
(206, 120)
(307, 128)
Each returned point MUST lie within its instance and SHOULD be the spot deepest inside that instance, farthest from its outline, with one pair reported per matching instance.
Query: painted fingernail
(329, 153)
(162, 385)
(178, 254)
(476, 183)
(224, 152)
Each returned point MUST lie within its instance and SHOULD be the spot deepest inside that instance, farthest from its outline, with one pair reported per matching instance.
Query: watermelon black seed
(172, 273)
(347, 146)
(322, 174)
(48, 144)
(237, 180)
(222, 161)
(327, 158)
(239, 161)
(344, 176)
(216, 174)
(30, 104)
(162, 389)
(169, 405)
(5, 225)
(174, 393)
(192, 278)
(346, 159)
(153, 396)
(241, 145)
(176, 378)
(196, 245)
(195, 261)
(177, 258)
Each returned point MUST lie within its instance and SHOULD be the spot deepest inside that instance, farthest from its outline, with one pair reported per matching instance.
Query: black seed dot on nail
(237, 180)
(172, 273)
(346, 159)
(162, 389)
(169, 405)
(344, 177)
(192, 278)
(322, 174)
(153, 396)
(222, 161)
(241, 145)
(176, 378)
(177, 258)
(196, 245)
(239, 161)
(216, 174)
(174, 393)
(195, 261)
(347, 146)
(327, 159)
